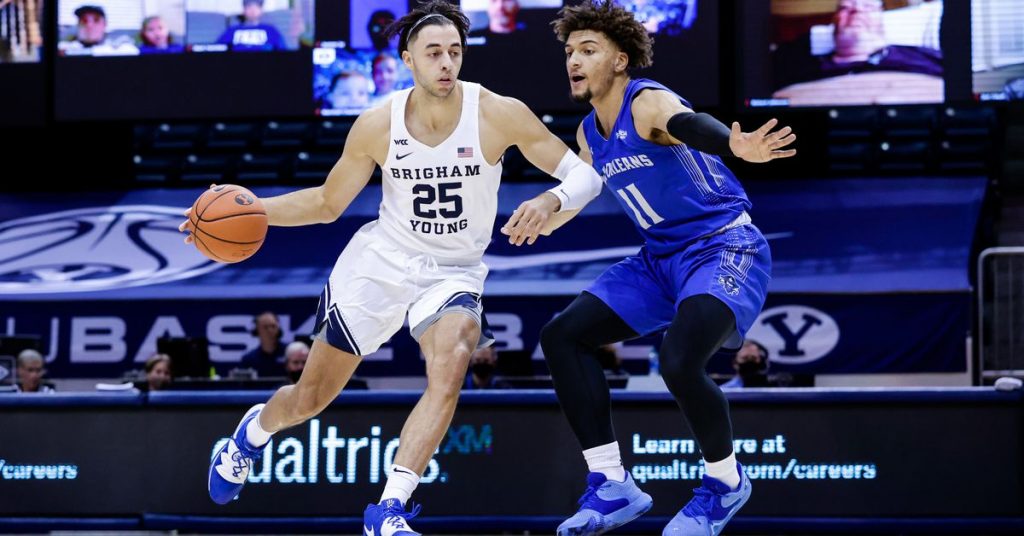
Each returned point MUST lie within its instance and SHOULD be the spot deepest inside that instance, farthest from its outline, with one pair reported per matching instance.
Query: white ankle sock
(606, 460)
(255, 435)
(401, 483)
(724, 471)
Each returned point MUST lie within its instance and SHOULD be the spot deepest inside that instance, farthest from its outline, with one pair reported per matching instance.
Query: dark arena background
(887, 400)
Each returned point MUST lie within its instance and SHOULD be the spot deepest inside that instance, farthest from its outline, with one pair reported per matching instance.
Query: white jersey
(440, 201)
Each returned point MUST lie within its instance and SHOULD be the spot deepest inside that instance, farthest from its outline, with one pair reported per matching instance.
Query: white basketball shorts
(374, 285)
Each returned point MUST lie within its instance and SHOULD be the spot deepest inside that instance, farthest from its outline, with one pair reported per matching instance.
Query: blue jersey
(673, 193)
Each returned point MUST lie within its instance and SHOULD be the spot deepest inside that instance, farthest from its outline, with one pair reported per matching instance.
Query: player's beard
(582, 98)
(602, 84)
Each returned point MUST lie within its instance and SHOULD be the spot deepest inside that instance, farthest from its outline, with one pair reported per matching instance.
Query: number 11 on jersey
(648, 211)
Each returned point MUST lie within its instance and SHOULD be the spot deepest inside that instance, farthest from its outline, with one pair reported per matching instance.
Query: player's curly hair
(430, 12)
(612, 20)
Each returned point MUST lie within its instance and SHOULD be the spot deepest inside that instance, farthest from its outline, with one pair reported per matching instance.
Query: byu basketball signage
(807, 334)
(101, 276)
(795, 334)
(95, 249)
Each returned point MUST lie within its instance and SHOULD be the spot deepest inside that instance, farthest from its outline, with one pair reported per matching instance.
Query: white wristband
(580, 182)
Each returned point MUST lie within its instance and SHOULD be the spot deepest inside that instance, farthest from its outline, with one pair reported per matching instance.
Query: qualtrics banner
(842, 454)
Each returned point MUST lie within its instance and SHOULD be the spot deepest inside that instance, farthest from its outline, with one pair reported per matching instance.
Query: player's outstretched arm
(351, 173)
(325, 203)
(580, 183)
(562, 217)
(661, 111)
(762, 145)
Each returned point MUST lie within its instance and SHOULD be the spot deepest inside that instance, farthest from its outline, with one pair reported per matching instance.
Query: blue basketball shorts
(733, 265)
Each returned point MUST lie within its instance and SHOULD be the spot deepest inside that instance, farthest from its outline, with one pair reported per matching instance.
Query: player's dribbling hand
(186, 226)
(762, 145)
(528, 220)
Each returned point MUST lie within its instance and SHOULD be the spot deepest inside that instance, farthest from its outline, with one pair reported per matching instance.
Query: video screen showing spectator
(849, 52)
(120, 27)
(369, 18)
(21, 37)
(347, 82)
(997, 52)
(663, 17)
(497, 19)
(249, 25)
(686, 50)
(513, 51)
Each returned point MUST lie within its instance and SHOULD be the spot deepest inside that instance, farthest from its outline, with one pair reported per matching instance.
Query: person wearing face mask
(295, 355)
(482, 365)
(268, 355)
(750, 363)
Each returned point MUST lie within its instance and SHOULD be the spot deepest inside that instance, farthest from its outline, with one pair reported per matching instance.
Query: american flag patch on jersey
(465, 152)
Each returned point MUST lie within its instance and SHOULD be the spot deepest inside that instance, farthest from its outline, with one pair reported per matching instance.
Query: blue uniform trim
(339, 324)
(471, 305)
(469, 300)
(331, 327)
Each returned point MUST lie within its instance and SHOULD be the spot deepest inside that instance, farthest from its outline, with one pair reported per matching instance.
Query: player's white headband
(421, 21)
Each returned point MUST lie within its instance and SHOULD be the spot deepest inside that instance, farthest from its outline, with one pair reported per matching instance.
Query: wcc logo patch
(96, 248)
(795, 334)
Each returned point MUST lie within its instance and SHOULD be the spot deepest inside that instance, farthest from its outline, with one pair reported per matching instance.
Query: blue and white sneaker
(388, 519)
(712, 506)
(230, 466)
(606, 505)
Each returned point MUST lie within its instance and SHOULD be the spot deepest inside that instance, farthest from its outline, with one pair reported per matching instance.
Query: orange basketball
(229, 223)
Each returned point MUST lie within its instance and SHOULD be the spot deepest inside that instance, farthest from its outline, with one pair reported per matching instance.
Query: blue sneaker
(230, 466)
(712, 506)
(606, 505)
(388, 519)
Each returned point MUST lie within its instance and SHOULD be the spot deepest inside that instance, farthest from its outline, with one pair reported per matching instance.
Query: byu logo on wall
(795, 334)
(96, 249)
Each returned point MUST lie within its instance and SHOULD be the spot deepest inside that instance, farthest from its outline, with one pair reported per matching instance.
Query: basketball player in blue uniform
(701, 276)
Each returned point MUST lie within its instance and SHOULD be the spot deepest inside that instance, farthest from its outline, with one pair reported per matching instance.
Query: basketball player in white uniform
(439, 147)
